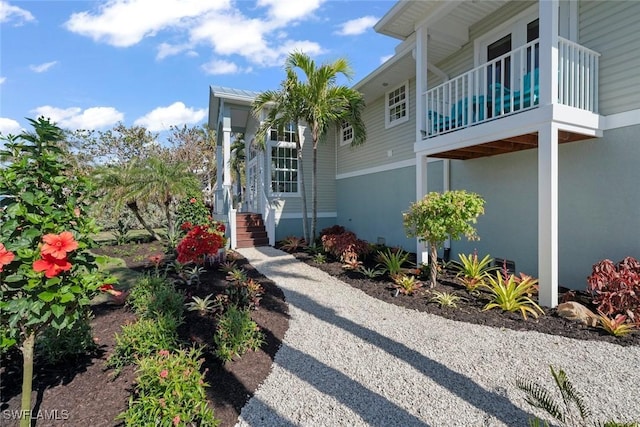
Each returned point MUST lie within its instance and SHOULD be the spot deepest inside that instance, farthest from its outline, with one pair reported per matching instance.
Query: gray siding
(599, 204)
(371, 205)
(611, 28)
(374, 152)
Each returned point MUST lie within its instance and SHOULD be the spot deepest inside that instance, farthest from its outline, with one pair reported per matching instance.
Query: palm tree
(284, 107)
(159, 181)
(115, 182)
(237, 162)
(323, 103)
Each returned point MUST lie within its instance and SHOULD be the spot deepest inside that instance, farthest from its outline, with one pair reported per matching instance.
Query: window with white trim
(288, 134)
(397, 105)
(346, 133)
(284, 169)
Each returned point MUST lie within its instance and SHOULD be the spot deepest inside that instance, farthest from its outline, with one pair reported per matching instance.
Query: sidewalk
(351, 360)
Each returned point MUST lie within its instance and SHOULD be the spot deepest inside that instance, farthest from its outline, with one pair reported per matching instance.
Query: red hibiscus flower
(110, 290)
(57, 245)
(51, 266)
(5, 256)
(193, 200)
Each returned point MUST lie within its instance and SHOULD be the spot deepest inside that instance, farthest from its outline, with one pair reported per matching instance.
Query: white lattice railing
(577, 76)
(510, 84)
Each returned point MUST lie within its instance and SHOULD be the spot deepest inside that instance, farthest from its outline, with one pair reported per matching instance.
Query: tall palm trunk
(133, 207)
(303, 191)
(314, 192)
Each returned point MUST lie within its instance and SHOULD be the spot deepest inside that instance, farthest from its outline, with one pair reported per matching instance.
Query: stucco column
(422, 251)
(548, 215)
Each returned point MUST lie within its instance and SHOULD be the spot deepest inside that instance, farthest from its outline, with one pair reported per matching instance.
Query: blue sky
(89, 65)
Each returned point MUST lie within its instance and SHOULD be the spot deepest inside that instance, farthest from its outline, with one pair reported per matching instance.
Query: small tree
(47, 275)
(442, 215)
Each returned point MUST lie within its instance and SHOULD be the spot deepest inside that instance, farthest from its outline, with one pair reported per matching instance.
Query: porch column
(548, 215)
(548, 51)
(421, 81)
(226, 147)
(422, 251)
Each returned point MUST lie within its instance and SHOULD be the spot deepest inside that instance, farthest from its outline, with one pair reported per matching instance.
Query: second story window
(288, 134)
(346, 133)
(397, 105)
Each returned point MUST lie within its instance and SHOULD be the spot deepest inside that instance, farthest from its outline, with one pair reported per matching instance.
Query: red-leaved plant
(616, 287)
(200, 241)
(344, 244)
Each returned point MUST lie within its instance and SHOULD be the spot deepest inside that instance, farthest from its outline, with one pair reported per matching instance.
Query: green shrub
(170, 391)
(236, 334)
(153, 295)
(55, 345)
(246, 294)
(141, 339)
(192, 210)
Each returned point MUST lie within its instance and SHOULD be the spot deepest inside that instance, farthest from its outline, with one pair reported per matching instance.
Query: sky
(92, 64)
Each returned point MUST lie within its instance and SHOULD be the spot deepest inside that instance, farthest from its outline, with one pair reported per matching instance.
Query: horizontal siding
(326, 178)
(374, 152)
(611, 28)
(462, 61)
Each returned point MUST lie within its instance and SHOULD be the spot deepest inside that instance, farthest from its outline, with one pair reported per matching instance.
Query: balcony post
(422, 251)
(548, 215)
(548, 51)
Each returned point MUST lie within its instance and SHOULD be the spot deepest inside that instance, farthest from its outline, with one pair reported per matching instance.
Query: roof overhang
(239, 103)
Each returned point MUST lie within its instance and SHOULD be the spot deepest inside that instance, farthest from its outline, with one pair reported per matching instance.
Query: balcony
(508, 85)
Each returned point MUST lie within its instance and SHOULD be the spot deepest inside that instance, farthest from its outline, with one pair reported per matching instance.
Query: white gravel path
(351, 360)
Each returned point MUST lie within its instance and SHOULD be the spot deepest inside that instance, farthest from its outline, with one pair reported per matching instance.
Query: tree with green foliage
(47, 274)
(322, 103)
(284, 108)
(158, 181)
(439, 216)
(114, 182)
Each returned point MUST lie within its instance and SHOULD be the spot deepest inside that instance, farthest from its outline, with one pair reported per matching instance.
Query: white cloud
(42, 67)
(76, 118)
(217, 67)
(356, 26)
(18, 15)
(385, 58)
(9, 126)
(2, 80)
(219, 24)
(119, 23)
(176, 114)
(290, 10)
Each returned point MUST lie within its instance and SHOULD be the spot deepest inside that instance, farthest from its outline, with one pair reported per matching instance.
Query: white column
(548, 51)
(422, 251)
(548, 215)
(421, 81)
(226, 146)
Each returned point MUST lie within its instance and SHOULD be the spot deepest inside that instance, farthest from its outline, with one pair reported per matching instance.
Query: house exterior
(534, 105)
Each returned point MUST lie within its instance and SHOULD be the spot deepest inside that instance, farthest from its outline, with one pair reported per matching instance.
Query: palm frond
(539, 397)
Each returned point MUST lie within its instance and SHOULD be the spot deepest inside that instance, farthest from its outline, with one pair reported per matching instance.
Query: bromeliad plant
(405, 284)
(472, 271)
(392, 261)
(618, 326)
(47, 275)
(512, 293)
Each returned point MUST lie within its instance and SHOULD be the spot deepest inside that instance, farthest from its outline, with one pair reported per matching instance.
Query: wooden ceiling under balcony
(508, 145)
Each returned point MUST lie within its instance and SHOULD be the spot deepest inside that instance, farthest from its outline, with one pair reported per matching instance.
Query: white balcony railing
(510, 84)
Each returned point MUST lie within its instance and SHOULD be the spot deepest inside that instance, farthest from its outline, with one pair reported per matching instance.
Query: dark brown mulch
(81, 393)
(470, 309)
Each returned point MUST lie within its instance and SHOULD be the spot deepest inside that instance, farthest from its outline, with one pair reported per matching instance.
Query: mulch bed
(470, 309)
(82, 393)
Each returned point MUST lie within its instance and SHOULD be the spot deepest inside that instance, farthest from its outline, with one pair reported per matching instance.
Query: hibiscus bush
(192, 210)
(47, 274)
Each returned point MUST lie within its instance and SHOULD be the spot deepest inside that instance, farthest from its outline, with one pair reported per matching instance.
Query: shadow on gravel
(489, 402)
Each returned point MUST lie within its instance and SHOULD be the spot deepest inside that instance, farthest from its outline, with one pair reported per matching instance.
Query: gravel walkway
(351, 360)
